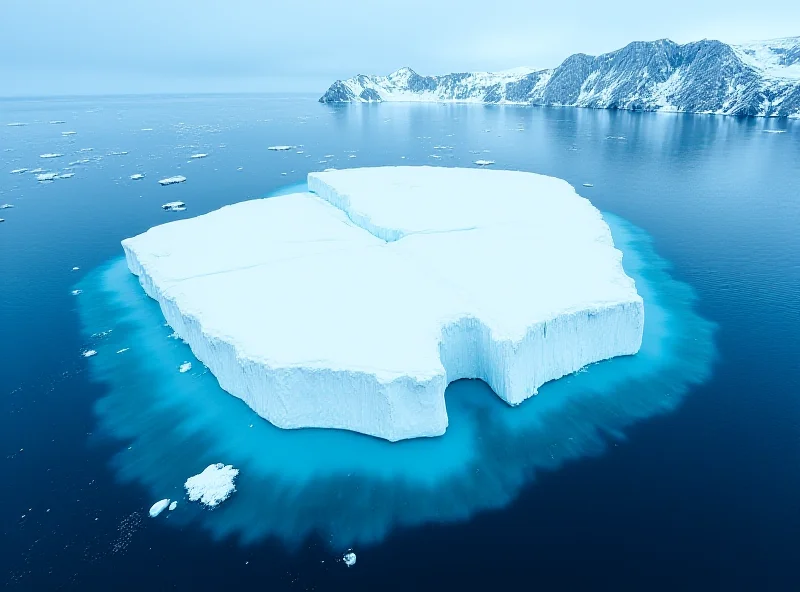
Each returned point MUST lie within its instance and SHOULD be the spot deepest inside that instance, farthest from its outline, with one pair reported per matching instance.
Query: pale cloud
(97, 46)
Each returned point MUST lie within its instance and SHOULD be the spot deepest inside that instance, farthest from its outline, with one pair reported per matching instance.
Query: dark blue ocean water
(698, 491)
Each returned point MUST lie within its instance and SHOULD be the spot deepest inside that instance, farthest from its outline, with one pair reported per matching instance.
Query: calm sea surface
(683, 471)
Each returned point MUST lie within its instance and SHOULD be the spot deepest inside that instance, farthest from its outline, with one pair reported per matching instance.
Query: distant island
(753, 79)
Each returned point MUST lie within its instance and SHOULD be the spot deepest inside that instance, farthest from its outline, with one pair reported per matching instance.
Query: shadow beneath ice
(349, 488)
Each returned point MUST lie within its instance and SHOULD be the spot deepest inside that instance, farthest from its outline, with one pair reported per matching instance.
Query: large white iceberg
(354, 306)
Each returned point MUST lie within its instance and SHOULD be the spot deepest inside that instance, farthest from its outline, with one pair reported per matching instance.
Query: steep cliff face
(758, 79)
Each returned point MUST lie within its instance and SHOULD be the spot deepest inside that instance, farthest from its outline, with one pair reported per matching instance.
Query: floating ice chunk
(56, 122)
(68, 133)
(365, 228)
(75, 268)
(280, 148)
(351, 156)
(46, 176)
(6, 206)
(122, 153)
(16, 124)
(88, 353)
(172, 506)
(51, 155)
(2, 219)
(588, 185)
(349, 559)
(86, 149)
(158, 507)
(213, 486)
(18, 171)
(185, 367)
(435, 156)
(300, 151)
(123, 350)
(774, 131)
(79, 162)
(147, 129)
(328, 156)
(173, 180)
(36, 170)
(199, 155)
(137, 176)
(65, 176)
(484, 162)
(76, 292)
(174, 206)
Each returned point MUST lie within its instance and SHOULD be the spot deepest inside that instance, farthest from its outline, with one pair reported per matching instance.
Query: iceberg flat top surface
(367, 273)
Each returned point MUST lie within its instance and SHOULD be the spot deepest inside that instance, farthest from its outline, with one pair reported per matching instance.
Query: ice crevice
(507, 277)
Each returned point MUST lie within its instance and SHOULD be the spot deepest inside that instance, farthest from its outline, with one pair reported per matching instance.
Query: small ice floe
(75, 268)
(213, 486)
(300, 151)
(279, 148)
(588, 185)
(349, 559)
(435, 156)
(123, 350)
(123, 153)
(351, 156)
(172, 180)
(88, 353)
(616, 138)
(86, 149)
(172, 506)
(283, 174)
(68, 133)
(18, 171)
(328, 156)
(76, 292)
(79, 162)
(16, 124)
(774, 131)
(185, 367)
(36, 170)
(56, 122)
(199, 155)
(51, 155)
(137, 176)
(158, 507)
(147, 129)
(5, 206)
(322, 161)
(65, 176)
(2, 219)
(484, 162)
(46, 176)
(174, 206)
(240, 168)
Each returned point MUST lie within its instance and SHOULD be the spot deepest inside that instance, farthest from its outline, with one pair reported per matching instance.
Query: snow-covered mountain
(760, 78)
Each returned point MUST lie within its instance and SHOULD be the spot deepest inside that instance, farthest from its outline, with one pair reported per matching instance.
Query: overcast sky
(121, 46)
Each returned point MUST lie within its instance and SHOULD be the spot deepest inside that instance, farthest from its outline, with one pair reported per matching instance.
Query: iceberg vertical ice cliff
(355, 305)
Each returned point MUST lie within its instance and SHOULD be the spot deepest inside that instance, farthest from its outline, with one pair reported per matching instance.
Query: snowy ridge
(758, 78)
(368, 295)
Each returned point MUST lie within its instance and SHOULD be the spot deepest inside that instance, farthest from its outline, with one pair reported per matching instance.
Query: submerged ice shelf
(384, 285)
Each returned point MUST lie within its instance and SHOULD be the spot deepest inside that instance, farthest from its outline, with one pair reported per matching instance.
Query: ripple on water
(349, 488)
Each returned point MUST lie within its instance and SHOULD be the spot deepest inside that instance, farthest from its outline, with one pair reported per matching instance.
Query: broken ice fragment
(158, 507)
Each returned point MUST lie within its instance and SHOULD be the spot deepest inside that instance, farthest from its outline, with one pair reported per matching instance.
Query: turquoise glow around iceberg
(349, 488)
